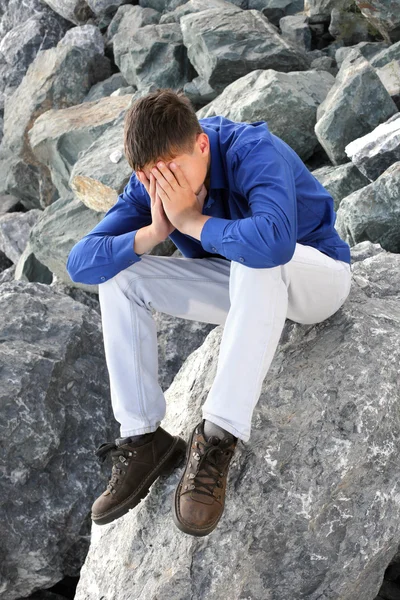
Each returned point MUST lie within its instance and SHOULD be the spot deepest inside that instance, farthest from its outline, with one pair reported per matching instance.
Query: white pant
(251, 303)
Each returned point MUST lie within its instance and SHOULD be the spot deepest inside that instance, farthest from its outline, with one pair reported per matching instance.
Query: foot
(199, 498)
(136, 465)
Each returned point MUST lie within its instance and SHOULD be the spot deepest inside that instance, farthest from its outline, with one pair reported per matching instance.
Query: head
(163, 125)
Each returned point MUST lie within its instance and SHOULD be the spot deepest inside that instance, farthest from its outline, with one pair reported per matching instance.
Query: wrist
(194, 225)
(154, 236)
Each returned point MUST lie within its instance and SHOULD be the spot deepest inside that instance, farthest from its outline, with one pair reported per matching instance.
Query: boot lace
(212, 464)
(119, 458)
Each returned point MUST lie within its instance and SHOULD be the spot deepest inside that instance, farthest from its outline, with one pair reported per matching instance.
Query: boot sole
(175, 511)
(171, 459)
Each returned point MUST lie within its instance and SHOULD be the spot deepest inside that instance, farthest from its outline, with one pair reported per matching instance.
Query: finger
(159, 190)
(168, 185)
(167, 173)
(152, 187)
(143, 179)
(178, 173)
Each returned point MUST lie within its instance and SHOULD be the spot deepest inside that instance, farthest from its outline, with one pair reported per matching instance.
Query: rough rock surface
(313, 505)
(356, 103)
(384, 15)
(58, 137)
(340, 181)
(373, 212)
(238, 42)
(288, 102)
(55, 410)
(62, 224)
(15, 228)
(375, 152)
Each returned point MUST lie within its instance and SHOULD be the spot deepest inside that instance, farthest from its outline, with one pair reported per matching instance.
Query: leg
(195, 289)
(308, 289)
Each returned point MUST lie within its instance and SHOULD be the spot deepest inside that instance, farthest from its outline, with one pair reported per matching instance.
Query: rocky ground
(313, 503)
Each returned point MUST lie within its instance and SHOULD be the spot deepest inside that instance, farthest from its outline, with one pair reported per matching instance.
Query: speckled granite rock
(55, 410)
(312, 507)
(356, 103)
(375, 152)
(373, 212)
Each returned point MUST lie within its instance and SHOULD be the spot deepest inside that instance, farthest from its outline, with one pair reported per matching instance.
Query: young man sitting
(256, 230)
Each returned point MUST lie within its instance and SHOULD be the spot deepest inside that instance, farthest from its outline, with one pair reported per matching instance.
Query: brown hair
(163, 124)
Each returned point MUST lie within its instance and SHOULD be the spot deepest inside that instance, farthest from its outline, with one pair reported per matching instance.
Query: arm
(267, 238)
(109, 247)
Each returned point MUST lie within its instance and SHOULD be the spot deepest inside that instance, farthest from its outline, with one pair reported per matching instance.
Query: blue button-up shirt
(262, 200)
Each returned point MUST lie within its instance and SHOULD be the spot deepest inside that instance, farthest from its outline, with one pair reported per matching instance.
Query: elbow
(284, 252)
(71, 265)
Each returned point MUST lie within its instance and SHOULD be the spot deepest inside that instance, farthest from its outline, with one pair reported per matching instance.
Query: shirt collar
(217, 172)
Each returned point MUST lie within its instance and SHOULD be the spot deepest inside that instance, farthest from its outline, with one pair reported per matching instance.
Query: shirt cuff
(122, 249)
(212, 233)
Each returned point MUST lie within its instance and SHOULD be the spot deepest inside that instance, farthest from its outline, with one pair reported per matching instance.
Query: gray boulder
(313, 490)
(295, 29)
(20, 180)
(199, 92)
(76, 11)
(8, 274)
(340, 181)
(105, 7)
(5, 262)
(193, 6)
(375, 152)
(364, 250)
(354, 106)
(349, 27)
(386, 56)
(161, 5)
(8, 204)
(15, 228)
(383, 15)
(153, 54)
(106, 88)
(127, 20)
(238, 42)
(324, 7)
(287, 101)
(59, 137)
(33, 33)
(87, 37)
(366, 49)
(55, 411)
(29, 268)
(60, 226)
(324, 63)
(101, 172)
(44, 87)
(387, 65)
(373, 212)
(274, 10)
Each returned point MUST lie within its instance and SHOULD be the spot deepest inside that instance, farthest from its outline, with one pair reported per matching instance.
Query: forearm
(97, 258)
(257, 241)
(145, 240)
(194, 226)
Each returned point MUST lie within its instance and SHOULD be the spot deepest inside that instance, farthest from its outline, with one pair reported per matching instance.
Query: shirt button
(241, 258)
(102, 278)
(214, 249)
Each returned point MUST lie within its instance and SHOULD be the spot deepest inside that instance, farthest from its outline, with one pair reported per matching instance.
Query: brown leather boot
(136, 465)
(199, 498)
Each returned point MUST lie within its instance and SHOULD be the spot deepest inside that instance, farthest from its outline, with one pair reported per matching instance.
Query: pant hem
(226, 425)
(148, 429)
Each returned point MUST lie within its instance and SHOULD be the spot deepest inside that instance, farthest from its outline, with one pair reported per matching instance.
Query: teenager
(256, 230)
